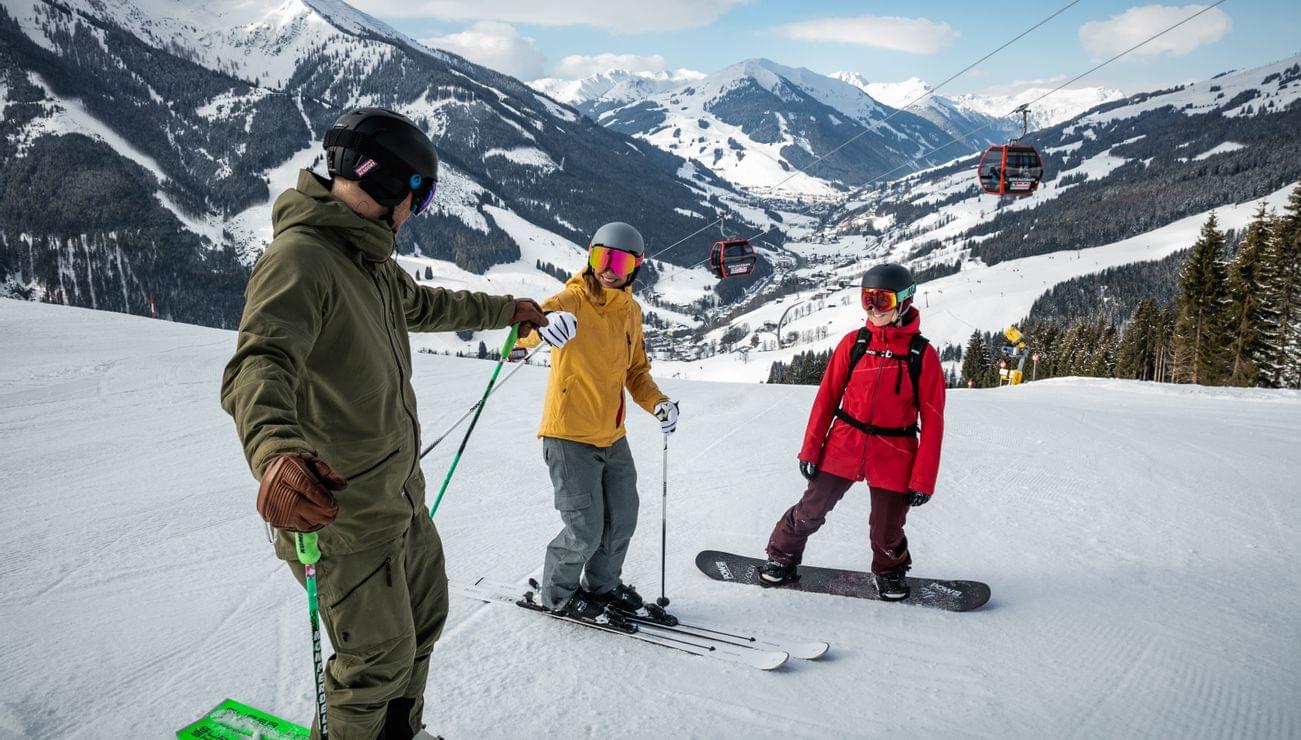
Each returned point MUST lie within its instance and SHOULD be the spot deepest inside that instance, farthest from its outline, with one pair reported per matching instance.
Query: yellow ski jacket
(585, 400)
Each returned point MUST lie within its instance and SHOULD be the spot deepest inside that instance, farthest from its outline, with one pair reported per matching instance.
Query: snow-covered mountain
(599, 92)
(186, 119)
(1059, 107)
(963, 113)
(955, 119)
(1116, 609)
(758, 123)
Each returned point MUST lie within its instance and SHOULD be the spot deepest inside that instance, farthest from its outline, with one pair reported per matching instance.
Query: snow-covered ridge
(614, 86)
(1255, 91)
(991, 110)
(1059, 107)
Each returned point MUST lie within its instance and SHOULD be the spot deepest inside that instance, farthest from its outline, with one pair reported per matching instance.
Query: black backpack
(916, 352)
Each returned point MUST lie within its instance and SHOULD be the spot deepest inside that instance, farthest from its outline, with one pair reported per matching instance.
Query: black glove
(916, 498)
(808, 470)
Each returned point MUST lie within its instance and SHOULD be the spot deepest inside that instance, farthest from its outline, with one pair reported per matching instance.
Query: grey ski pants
(596, 495)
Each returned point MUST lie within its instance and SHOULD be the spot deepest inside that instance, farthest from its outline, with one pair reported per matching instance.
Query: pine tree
(1102, 359)
(1284, 296)
(1164, 340)
(483, 350)
(1136, 353)
(1248, 317)
(1200, 310)
(975, 362)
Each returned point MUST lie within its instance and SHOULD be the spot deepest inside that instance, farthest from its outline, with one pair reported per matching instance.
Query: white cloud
(577, 66)
(621, 16)
(1120, 32)
(496, 46)
(912, 35)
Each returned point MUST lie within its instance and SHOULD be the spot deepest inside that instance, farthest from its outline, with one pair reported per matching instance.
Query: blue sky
(884, 41)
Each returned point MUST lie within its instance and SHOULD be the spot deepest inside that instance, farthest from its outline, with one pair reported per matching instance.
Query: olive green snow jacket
(322, 363)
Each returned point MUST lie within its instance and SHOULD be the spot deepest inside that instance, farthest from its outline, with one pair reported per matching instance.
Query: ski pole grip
(510, 341)
(305, 545)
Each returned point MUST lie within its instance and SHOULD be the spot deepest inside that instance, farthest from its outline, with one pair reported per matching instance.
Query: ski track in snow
(1117, 523)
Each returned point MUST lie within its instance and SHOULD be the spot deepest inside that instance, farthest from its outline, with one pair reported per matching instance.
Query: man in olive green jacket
(320, 390)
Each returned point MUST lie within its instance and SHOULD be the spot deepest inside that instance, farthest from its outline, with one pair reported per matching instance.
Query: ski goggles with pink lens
(619, 262)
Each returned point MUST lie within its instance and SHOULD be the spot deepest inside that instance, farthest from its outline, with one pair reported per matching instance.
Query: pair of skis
(741, 646)
(709, 641)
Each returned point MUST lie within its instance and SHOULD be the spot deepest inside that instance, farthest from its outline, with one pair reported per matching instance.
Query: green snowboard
(231, 720)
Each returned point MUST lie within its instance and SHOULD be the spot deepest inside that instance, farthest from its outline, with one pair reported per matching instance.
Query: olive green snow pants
(596, 495)
(383, 610)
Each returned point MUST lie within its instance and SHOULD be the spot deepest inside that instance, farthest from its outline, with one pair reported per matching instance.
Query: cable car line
(897, 111)
(935, 89)
(1057, 89)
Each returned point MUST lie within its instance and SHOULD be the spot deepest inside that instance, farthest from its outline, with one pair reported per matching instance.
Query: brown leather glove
(528, 314)
(295, 493)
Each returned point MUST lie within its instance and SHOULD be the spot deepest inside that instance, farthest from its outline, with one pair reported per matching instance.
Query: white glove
(561, 327)
(667, 413)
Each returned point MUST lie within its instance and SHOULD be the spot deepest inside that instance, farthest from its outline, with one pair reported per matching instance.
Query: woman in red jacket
(864, 426)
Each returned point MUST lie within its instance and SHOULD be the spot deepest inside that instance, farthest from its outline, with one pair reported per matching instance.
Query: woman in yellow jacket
(582, 428)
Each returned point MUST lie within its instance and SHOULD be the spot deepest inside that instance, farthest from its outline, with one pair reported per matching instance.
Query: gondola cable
(897, 111)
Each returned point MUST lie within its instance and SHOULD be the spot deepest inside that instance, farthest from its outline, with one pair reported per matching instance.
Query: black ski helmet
(895, 278)
(386, 153)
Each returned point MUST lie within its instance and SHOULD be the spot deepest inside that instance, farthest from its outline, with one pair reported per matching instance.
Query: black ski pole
(664, 522)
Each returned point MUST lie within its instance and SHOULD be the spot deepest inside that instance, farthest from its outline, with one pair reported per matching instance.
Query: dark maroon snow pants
(889, 510)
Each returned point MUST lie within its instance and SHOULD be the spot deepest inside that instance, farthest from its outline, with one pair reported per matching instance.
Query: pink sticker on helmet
(366, 166)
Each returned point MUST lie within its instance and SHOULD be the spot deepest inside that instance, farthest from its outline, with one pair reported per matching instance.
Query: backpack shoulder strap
(916, 353)
(859, 349)
(856, 353)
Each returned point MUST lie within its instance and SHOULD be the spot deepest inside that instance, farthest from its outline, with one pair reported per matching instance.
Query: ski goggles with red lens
(619, 262)
(422, 192)
(882, 300)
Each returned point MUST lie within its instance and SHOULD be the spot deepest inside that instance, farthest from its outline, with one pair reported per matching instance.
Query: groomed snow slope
(1142, 542)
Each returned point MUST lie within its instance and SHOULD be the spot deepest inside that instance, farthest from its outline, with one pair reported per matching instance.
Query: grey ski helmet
(386, 153)
(619, 235)
(895, 278)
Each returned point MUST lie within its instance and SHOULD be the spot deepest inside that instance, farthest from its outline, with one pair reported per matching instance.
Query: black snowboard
(954, 596)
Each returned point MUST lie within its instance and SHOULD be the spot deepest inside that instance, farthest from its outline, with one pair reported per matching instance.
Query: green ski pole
(308, 555)
(456, 459)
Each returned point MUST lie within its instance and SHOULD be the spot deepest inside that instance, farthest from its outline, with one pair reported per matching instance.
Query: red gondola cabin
(732, 258)
(1010, 169)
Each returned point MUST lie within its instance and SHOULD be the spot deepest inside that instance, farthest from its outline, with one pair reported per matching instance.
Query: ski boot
(773, 573)
(625, 599)
(581, 607)
(892, 586)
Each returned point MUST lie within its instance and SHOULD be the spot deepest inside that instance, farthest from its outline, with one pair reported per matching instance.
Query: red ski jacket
(879, 394)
